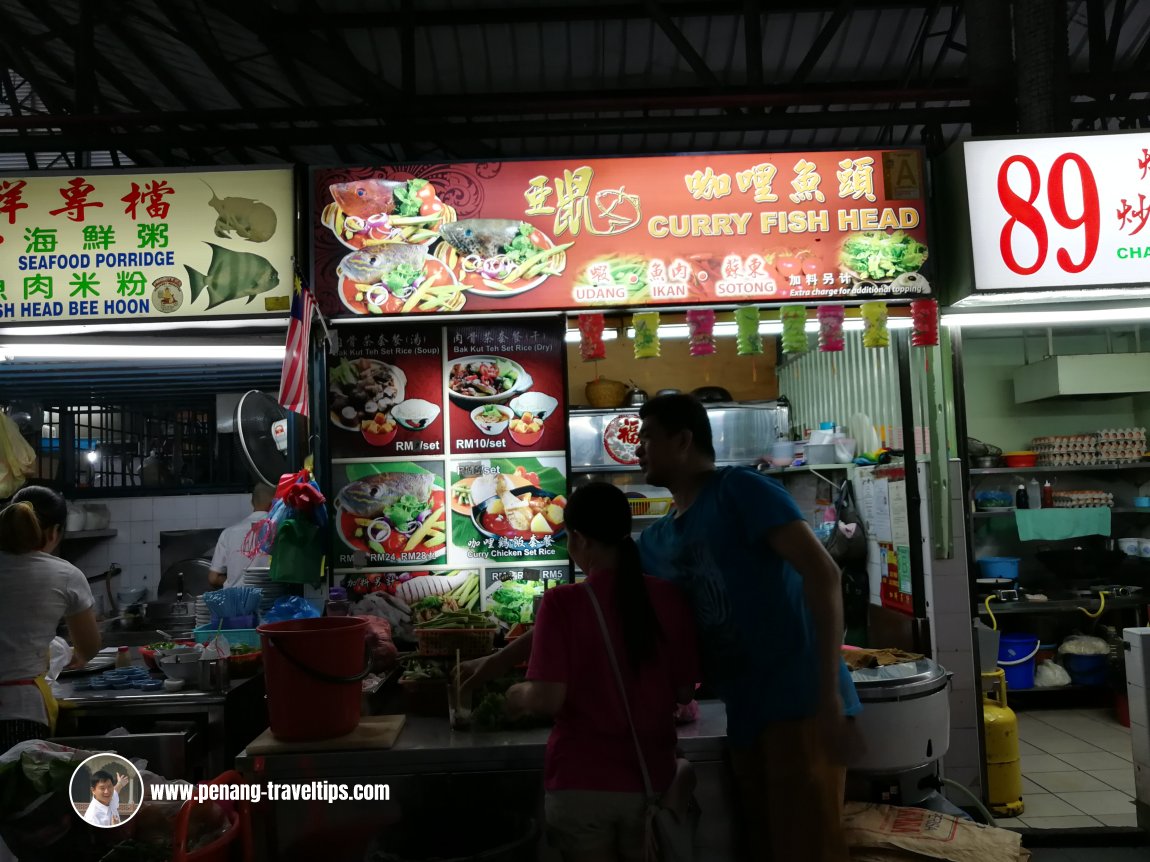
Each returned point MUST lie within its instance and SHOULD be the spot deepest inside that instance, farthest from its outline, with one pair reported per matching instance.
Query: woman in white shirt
(37, 589)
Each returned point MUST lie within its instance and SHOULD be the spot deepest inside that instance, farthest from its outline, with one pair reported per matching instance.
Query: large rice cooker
(905, 727)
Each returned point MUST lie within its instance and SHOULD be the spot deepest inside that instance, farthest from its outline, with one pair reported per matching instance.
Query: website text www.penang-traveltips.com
(307, 791)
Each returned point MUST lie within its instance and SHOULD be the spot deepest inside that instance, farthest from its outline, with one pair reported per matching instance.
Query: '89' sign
(1059, 212)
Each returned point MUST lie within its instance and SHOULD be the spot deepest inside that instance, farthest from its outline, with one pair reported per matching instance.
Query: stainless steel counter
(432, 767)
(429, 745)
(220, 723)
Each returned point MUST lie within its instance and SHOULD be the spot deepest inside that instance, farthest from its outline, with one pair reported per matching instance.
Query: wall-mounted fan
(261, 435)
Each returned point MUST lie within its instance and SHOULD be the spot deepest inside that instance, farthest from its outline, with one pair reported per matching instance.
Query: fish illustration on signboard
(248, 219)
(232, 275)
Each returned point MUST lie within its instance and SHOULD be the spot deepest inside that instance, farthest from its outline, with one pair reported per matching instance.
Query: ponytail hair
(28, 518)
(601, 512)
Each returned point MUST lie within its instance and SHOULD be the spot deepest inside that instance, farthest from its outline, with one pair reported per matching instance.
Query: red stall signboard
(1061, 212)
(593, 233)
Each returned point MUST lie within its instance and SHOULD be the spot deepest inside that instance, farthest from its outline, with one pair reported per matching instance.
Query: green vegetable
(433, 603)
(404, 510)
(521, 248)
(162, 645)
(375, 546)
(345, 373)
(489, 712)
(402, 277)
(876, 254)
(514, 601)
(407, 202)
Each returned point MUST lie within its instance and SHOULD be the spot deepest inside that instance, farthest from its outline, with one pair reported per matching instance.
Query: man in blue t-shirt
(768, 605)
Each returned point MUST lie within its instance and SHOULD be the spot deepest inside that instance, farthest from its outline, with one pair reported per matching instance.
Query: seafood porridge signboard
(92, 245)
(448, 447)
(593, 233)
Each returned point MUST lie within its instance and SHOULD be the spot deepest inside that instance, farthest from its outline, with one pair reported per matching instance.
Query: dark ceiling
(351, 81)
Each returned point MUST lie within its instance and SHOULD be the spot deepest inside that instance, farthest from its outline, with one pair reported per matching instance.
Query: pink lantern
(831, 328)
(701, 323)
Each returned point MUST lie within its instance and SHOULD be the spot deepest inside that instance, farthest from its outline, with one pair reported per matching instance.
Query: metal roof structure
(177, 82)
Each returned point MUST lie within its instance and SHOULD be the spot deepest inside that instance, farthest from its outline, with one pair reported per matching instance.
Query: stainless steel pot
(636, 398)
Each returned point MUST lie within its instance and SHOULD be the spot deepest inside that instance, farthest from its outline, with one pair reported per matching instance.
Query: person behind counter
(230, 560)
(595, 799)
(38, 589)
(768, 601)
(757, 578)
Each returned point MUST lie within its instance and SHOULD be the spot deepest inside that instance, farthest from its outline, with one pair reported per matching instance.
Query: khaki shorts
(585, 822)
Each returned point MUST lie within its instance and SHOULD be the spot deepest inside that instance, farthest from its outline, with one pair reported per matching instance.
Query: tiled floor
(1078, 770)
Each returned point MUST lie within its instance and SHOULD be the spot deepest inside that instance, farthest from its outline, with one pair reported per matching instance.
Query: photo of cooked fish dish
(361, 390)
(499, 257)
(375, 210)
(399, 515)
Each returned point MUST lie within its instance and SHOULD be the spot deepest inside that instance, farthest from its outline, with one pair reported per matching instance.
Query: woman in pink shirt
(595, 802)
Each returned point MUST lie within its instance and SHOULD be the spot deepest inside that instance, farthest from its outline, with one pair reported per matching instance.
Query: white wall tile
(1140, 743)
(178, 509)
(1142, 782)
(119, 511)
(961, 664)
(1139, 704)
(964, 707)
(141, 509)
(1138, 656)
(208, 513)
(952, 631)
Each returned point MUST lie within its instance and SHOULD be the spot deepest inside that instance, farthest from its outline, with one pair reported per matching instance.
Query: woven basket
(471, 643)
(606, 393)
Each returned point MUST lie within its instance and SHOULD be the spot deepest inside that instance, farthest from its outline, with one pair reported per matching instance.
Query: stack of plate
(260, 579)
(202, 614)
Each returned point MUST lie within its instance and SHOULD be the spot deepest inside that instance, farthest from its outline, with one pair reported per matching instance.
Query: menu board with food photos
(449, 466)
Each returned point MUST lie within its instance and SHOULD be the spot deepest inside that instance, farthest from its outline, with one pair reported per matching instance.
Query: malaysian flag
(293, 379)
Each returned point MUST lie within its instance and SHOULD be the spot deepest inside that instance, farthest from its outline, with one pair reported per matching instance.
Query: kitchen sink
(112, 635)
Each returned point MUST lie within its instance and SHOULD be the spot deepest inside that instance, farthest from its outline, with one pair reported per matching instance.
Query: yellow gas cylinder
(1000, 739)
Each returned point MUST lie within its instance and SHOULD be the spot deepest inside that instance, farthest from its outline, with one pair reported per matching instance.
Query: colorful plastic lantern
(646, 335)
(750, 341)
(875, 330)
(701, 323)
(591, 345)
(924, 314)
(794, 319)
(831, 328)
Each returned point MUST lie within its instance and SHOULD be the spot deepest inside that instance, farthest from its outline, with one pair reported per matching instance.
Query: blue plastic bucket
(1086, 669)
(1016, 656)
(999, 567)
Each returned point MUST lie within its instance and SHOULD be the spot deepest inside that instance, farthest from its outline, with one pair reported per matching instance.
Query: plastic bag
(1051, 675)
(1084, 645)
(290, 608)
(59, 654)
(297, 557)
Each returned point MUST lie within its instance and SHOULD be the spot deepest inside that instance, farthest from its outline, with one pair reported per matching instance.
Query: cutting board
(374, 731)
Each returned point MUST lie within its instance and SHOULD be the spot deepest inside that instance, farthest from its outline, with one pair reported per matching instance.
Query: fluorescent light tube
(119, 352)
(1033, 319)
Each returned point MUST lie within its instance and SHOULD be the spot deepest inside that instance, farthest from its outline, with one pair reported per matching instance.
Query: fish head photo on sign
(106, 790)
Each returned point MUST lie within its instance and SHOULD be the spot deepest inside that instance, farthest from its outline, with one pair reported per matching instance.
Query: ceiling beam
(826, 35)
(13, 100)
(682, 44)
(529, 104)
(465, 133)
(753, 36)
(504, 14)
(57, 25)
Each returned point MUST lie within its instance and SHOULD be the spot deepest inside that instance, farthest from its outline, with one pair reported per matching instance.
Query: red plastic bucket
(313, 669)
